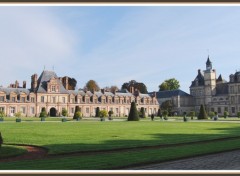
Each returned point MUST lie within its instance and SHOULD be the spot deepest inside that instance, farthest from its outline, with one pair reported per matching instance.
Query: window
(2, 109)
(12, 110)
(231, 89)
(53, 88)
(22, 99)
(13, 99)
(87, 100)
(233, 110)
(226, 109)
(32, 110)
(42, 99)
(103, 100)
(116, 101)
(72, 100)
(87, 110)
(238, 88)
(63, 99)
(23, 110)
(1, 98)
(117, 110)
(232, 99)
(238, 99)
(72, 110)
(109, 101)
(54, 99)
(32, 99)
(219, 110)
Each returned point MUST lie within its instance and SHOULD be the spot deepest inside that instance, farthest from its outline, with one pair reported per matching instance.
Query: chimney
(34, 82)
(16, 84)
(155, 94)
(65, 82)
(24, 84)
(136, 93)
(132, 89)
(103, 91)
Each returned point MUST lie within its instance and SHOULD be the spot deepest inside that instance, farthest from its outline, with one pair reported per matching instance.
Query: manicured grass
(121, 159)
(95, 135)
(9, 150)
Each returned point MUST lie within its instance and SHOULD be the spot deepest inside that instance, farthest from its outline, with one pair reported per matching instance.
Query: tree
(97, 112)
(143, 115)
(137, 85)
(225, 114)
(167, 105)
(192, 114)
(238, 114)
(165, 114)
(1, 140)
(211, 114)
(77, 113)
(43, 112)
(133, 115)
(103, 113)
(18, 114)
(111, 89)
(64, 112)
(92, 85)
(202, 113)
(110, 113)
(159, 113)
(169, 84)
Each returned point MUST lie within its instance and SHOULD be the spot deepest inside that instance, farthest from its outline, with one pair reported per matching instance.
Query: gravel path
(221, 161)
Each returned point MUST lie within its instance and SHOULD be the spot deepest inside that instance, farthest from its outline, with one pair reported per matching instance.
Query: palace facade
(53, 93)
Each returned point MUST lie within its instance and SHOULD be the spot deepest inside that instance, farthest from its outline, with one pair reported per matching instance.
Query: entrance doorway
(53, 112)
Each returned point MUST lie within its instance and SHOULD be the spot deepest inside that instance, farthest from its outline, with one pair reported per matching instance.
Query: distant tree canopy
(91, 85)
(169, 84)
(137, 85)
(111, 89)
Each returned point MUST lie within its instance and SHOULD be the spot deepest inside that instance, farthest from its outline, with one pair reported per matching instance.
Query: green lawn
(96, 135)
(8, 150)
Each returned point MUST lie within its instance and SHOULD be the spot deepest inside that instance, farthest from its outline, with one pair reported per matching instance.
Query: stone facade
(52, 92)
(215, 93)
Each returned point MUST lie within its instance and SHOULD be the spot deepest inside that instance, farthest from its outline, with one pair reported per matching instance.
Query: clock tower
(209, 83)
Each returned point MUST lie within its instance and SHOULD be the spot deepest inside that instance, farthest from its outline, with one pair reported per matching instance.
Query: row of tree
(169, 84)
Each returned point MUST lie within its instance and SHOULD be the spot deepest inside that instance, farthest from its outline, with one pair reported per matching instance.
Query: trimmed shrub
(2, 114)
(238, 114)
(64, 120)
(143, 115)
(103, 113)
(152, 117)
(225, 114)
(159, 114)
(1, 140)
(133, 115)
(202, 113)
(64, 112)
(191, 114)
(165, 114)
(18, 119)
(110, 113)
(77, 113)
(211, 114)
(97, 112)
(43, 113)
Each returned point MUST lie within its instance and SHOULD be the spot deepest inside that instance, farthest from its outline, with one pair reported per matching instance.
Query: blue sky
(116, 44)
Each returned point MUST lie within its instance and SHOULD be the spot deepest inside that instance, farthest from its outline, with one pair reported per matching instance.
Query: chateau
(215, 93)
(53, 93)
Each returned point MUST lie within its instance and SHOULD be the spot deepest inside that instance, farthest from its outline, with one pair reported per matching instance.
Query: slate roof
(16, 90)
(219, 78)
(44, 78)
(199, 78)
(235, 76)
(208, 61)
(222, 89)
(169, 93)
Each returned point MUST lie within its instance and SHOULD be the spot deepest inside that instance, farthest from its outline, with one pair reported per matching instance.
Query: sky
(116, 44)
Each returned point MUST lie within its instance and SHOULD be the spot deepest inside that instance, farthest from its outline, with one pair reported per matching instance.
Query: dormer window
(53, 88)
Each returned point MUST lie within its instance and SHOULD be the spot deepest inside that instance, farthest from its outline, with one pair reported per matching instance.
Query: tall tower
(209, 83)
